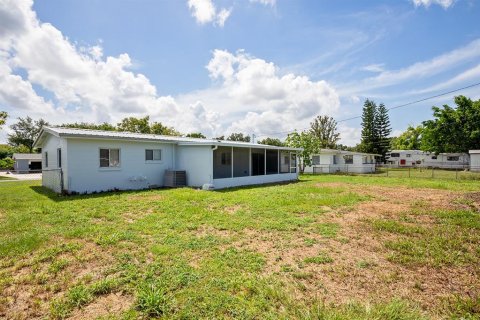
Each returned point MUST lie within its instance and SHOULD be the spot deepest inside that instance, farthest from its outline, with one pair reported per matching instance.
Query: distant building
(332, 160)
(474, 160)
(418, 158)
(27, 162)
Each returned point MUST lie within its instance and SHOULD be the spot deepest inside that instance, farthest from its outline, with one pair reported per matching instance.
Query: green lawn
(6, 178)
(326, 247)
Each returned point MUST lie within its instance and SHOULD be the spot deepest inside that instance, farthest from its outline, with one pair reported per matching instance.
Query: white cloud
(423, 69)
(426, 3)
(248, 94)
(204, 11)
(378, 67)
(271, 3)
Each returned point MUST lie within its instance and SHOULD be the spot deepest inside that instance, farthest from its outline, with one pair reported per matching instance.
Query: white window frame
(46, 159)
(110, 167)
(160, 151)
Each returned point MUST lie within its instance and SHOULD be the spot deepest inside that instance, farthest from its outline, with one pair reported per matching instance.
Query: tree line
(452, 129)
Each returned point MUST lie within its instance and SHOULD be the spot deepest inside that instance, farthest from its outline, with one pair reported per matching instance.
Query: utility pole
(253, 137)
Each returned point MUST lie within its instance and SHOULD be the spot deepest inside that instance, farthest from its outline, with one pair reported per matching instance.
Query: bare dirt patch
(360, 269)
(36, 282)
(110, 305)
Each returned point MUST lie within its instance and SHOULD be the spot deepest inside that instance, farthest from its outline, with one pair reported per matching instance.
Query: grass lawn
(326, 247)
(6, 178)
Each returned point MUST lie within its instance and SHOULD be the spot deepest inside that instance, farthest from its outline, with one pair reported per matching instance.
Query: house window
(109, 158)
(153, 155)
(408, 155)
(334, 159)
(365, 159)
(226, 158)
(434, 157)
(293, 163)
(348, 158)
(59, 157)
(395, 155)
(46, 159)
(316, 160)
(453, 158)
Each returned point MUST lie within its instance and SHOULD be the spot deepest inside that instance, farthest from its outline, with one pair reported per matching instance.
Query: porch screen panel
(222, 163)
(272, 161)
(241, 162)
(258, 162)
(284, 162)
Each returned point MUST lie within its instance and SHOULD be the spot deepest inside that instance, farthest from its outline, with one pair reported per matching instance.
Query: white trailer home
(27, 162)
(418, 158)
(85, 161)
(474, 160)
(331, 161)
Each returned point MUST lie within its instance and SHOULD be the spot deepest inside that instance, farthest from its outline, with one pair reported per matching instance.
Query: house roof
(130, 136)
(347, 152)
(27, 156)
(473, 151)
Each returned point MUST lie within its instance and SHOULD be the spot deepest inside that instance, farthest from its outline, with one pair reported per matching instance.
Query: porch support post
(249, 161)
(278, 161)
(265, 161)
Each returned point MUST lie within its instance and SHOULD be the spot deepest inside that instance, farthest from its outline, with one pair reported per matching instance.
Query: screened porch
(236, 162)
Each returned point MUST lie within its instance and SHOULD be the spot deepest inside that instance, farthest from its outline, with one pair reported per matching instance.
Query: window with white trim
(315, 160)
(153, 155)
(109, 158)
(348, 158)
(46, 159)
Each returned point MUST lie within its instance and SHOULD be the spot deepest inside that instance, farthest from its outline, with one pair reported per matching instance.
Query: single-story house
(27, 162)
(85, 161)
(474, 160)
(332, 160)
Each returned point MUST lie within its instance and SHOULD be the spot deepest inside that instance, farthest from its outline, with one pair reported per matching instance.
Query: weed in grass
(310, 242)
(321, 258)
(328, 229)
(364, 264)
(59, 309)
(302, 275)
(104, 286)
(393, 226)
(467, 308)
(58, 266)
(78, 296)
(154, 300)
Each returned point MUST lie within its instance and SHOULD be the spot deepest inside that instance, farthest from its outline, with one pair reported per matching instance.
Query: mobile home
(418, 158)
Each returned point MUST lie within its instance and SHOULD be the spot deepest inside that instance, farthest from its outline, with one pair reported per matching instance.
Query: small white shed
(27, 162)
(474, 160)
(85, 161)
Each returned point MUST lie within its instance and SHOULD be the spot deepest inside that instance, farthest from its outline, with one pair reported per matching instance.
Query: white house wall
(86, 175)
(51, 174)
(197, 162)
(475, 162)
(253, 180)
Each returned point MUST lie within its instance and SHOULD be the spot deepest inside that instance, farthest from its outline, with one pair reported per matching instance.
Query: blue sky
(219, 66)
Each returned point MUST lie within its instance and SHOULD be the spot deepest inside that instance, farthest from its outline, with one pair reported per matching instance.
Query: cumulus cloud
(204, 11)
(272, 102)
(247, 94)
(426, 3)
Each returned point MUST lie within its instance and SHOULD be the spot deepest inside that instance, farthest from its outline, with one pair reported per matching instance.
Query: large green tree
(159, 128)
(238, 137)
(384, 129)
(137, 125)
(324, 128)
(410, 139)
(376, 129)
(453, 129)
(3, 118)
(91, 126)
(272, 142)
(25, 131)
(308, 142)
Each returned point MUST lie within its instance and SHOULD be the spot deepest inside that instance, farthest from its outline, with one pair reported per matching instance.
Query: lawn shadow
(74, 197)
(263, 185)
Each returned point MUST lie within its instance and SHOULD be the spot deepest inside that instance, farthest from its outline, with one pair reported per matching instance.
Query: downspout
(215, 147)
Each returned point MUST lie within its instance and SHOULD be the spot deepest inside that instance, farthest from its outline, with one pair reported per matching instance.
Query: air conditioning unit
(175, 178)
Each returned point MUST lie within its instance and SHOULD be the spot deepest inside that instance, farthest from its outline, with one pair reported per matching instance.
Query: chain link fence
(53, 179)
(446, 172)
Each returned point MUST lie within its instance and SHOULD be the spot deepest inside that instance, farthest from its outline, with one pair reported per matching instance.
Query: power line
(392, 108)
